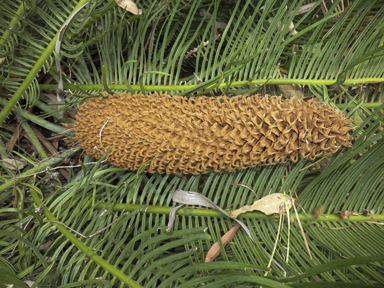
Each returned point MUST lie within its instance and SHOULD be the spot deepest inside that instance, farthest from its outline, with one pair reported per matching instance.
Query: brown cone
(201, 134)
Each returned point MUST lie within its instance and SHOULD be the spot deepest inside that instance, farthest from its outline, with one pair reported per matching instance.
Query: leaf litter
(270, 204)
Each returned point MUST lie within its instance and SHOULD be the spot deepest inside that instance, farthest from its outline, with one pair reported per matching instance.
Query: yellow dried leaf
(270, 204)
(129, 5)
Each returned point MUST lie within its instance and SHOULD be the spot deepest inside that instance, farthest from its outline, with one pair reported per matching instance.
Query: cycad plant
(70, 221)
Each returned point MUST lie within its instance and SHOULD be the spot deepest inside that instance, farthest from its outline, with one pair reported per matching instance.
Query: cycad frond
(268, 42)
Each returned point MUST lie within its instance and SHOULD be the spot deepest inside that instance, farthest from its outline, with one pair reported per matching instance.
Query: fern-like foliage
(106, 227)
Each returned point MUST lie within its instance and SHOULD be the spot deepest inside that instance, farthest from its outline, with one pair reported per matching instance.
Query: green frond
(106, 227)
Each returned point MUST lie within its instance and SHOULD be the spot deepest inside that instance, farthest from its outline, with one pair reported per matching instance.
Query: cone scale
(196, 135)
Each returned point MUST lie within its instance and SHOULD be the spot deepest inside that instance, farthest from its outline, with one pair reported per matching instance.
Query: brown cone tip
(200, 134)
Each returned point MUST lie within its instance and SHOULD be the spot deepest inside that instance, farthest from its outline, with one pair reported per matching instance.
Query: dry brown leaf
(270, 204)
(304, 9)
(129, 5)
(15, 137)
(345, 215)
(367, 212)
(215, 249)
(318, 211)
(282, 70)
(13, 164)
(291, 90)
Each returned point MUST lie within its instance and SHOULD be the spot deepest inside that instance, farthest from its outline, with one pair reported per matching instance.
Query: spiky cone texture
(201, 134)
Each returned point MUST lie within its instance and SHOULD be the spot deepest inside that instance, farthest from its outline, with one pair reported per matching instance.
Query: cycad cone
(201, 134)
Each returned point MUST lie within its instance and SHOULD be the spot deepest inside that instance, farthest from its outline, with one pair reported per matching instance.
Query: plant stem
(92, 255)
(39, 168)
(33, 72)
(13, 23)
(363, 105)
(287, 204)
(274, 246)
(123, 87)
(249, 215)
